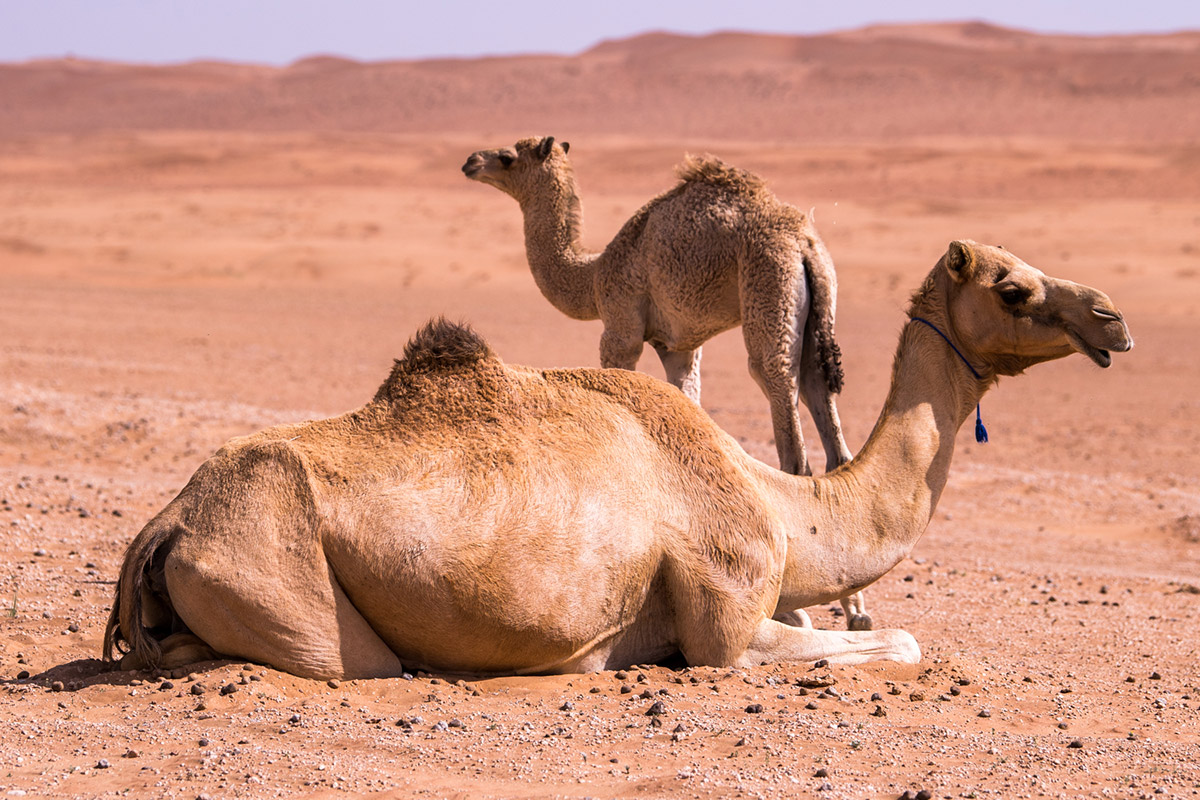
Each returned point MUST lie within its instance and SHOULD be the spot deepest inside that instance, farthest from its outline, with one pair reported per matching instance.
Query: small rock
(754, 708)
(204, 742)
(657, 709)
(1075, 744)
(57, 686)
(455, 723)
(73, 628)
(825, 787)
(166, 686)
(594, 690)
(811, 706)
(985, 713)
(567, 706)
(130, 754)
(334, 683)
(876, 697)
(821, 773)
(924, 794)
(878, 712)
(294, 719)
(102, 764)
(1154, 676)
(198, 688)
(626, 688)
(39, 552)
(229, 688)
(916, 697)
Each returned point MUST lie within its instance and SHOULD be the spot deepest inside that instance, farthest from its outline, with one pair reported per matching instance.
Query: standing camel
(480, 518)
(717, 250)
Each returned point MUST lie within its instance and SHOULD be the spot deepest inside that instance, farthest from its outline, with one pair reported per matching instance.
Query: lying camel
(486, 519)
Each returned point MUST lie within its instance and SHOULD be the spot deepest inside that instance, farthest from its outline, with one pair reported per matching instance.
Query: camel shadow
(84, 672)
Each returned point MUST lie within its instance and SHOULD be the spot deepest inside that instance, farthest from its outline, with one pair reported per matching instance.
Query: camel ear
(960, 260)
(545, 147)
(566, 147)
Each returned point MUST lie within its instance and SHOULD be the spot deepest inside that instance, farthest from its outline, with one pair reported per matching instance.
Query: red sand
(197, 251)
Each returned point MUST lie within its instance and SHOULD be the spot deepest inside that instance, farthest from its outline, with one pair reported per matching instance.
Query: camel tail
(822, 289)
(142, 612)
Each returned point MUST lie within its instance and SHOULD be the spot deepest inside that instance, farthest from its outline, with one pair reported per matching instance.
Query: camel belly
(481, 592)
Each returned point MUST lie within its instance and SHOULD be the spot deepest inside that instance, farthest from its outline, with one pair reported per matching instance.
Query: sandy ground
(163, 291)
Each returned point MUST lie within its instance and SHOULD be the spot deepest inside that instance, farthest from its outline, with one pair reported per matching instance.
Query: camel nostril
(1104, 313)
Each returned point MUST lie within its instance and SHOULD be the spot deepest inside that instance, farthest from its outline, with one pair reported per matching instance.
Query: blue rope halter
(980, 431)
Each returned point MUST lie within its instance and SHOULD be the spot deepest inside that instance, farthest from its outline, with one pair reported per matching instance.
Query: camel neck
(859, 521)
(563, 271)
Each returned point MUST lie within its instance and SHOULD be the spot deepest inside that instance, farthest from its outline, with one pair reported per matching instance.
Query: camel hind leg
(855, 607)
(773, 312)
(819, 398)
(249, 577)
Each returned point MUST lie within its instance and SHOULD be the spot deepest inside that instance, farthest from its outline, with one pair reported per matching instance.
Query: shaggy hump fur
(712, 170)
(440, 345)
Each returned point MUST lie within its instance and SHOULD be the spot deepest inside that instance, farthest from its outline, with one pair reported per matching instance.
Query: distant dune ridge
(890, 82)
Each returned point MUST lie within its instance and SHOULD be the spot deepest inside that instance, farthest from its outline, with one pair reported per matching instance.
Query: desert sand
(192, 252)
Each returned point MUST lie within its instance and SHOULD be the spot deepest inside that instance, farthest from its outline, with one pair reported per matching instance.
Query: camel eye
(506, 160)
(1013, 295)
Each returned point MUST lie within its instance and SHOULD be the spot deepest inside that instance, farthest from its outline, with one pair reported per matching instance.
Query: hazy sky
(280, 31)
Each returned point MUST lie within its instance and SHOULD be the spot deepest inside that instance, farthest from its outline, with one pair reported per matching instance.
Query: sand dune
(878, 83)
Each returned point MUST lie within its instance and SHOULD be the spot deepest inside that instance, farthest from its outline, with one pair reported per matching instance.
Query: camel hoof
(859, 622)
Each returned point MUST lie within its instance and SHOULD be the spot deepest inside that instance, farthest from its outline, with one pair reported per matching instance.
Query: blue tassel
(980, 431)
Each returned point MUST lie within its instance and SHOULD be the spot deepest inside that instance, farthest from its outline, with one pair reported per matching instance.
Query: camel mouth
(1100, 357)
(472, 167)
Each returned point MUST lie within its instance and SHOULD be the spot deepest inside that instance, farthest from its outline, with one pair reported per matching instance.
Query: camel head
(519, 169)
(1007, 316)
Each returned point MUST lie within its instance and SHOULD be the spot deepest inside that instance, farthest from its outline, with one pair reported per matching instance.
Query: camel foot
(859, 622)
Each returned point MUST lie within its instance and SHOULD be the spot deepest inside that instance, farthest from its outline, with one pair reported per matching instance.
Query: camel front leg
(620, 348)
(683, 369)
(775, 641)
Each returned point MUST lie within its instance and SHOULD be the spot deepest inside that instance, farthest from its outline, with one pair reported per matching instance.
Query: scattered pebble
(657, 709)
(754, 708)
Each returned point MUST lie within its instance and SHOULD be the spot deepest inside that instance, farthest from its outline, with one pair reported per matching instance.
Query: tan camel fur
(486, 519)
(717, 250)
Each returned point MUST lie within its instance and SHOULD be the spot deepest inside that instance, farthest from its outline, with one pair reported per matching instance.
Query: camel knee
(797, 618)
(619, 352)
(903, 646)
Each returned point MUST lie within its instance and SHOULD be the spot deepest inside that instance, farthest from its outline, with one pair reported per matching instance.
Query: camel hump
(442, 344)
(712, 170)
